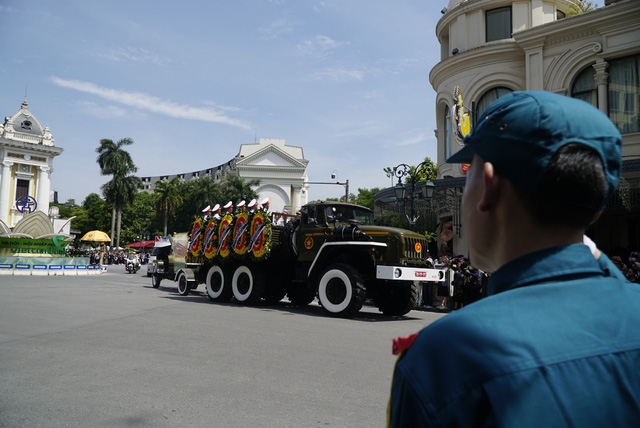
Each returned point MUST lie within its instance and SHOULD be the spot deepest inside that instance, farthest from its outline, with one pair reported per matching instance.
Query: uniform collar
(553, 263)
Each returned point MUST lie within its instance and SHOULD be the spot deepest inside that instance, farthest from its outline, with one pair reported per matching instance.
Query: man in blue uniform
(556, 342)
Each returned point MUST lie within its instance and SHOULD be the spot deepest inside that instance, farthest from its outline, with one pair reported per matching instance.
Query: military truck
(329, 250)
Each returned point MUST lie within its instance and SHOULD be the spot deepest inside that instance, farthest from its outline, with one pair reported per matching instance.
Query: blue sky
(189, 82)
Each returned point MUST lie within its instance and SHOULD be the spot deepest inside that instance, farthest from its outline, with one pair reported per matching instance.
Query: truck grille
(410, 252)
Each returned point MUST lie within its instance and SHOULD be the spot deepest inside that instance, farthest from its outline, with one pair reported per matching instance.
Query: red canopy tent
(141, 244)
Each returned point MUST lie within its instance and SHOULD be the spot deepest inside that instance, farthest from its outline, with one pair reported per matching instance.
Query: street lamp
(335, 175)
(404, 170)
(143, 237)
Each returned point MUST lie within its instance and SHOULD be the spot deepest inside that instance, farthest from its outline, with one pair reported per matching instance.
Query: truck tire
(155, 280)
(183, 284)
(341, 290)
(218, 284)
(397, 299)
(278, 282)
(248, 285)
(300, 296)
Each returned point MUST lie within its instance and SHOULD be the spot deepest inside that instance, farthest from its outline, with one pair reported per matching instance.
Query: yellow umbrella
(96, 236)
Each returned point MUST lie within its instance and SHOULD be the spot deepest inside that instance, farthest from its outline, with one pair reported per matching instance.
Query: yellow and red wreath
(196, 237)
(260, 235)
(211, 239)
(240, 234)
(225, 233)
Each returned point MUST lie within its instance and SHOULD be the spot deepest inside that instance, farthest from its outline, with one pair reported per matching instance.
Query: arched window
(624, 93)
(584, 87)
(447, 132)
(485, 101)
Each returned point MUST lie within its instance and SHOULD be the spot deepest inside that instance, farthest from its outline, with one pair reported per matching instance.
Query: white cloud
(320, 6)
(102, 112)
(150, 103)
(341, 75)
(131, 53)
(277, 28)
(413, 139)
(319, 46)
(366, 129)
(373, 94)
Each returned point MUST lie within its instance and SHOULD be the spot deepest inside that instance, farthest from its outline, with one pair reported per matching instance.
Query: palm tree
(121, 191)
(169, 198)
(114, 160)
(234, 188)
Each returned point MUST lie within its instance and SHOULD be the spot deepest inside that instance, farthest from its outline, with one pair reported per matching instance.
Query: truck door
(312, 233)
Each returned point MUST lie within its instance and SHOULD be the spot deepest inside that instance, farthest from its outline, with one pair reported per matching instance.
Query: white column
(42, 195)
(5, 190)
(601, 80)
(295, 201)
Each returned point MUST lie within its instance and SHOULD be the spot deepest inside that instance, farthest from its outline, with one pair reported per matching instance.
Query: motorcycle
(133, 264)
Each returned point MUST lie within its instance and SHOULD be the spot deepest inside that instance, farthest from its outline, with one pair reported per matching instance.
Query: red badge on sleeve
(401, 344)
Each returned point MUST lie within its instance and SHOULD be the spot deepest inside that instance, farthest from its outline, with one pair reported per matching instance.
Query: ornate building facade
(26, 152)
(280, 168)
(492, 47)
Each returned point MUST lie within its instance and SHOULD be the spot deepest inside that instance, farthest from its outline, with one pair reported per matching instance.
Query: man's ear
(490, 188)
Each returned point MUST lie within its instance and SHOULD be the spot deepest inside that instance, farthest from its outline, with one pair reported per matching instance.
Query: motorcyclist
(133, 264)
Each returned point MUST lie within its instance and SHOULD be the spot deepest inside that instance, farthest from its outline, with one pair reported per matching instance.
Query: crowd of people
(631, 269)
(463, 284)
(115, 257)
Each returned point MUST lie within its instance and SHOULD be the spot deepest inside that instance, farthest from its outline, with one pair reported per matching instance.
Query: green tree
(98, 212)
(428, 172)
(168, 198)
(366, 197)
(114, 160)
(121, 192)
(141, 218)
(579, 7)
(204, 191)
(235, 189)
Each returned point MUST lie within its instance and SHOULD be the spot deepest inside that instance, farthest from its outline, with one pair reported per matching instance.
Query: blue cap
(520, 132)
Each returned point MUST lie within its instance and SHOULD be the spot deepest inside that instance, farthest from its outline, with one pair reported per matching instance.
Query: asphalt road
(111, 351)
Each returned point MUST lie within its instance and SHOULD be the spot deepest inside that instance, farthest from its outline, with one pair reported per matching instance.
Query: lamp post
(335, 176)
(143, 237)
(404, 170)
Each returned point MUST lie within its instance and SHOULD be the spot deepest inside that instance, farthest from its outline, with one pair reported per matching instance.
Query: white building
(26, 154)
(281, 170)
(492, 47)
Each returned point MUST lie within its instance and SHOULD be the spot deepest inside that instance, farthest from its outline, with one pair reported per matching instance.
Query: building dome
(24, 122)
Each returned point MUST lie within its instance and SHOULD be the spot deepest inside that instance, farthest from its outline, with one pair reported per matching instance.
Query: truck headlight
(397, 273)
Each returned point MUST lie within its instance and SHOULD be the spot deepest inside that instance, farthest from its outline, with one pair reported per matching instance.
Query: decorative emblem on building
(461, 115)
(26, 203)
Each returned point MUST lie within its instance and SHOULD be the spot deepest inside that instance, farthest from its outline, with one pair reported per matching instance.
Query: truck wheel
(397, 299)
(218, 286)
(155, 280)
(248, 285)
(300, 296)
(278, 281)
(274, 293)
(341, 290)
(183, 285)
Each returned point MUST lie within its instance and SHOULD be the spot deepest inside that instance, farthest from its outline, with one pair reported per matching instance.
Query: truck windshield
(343, 214)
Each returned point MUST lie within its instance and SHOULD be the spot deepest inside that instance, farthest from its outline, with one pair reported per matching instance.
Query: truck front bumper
(405, 273)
